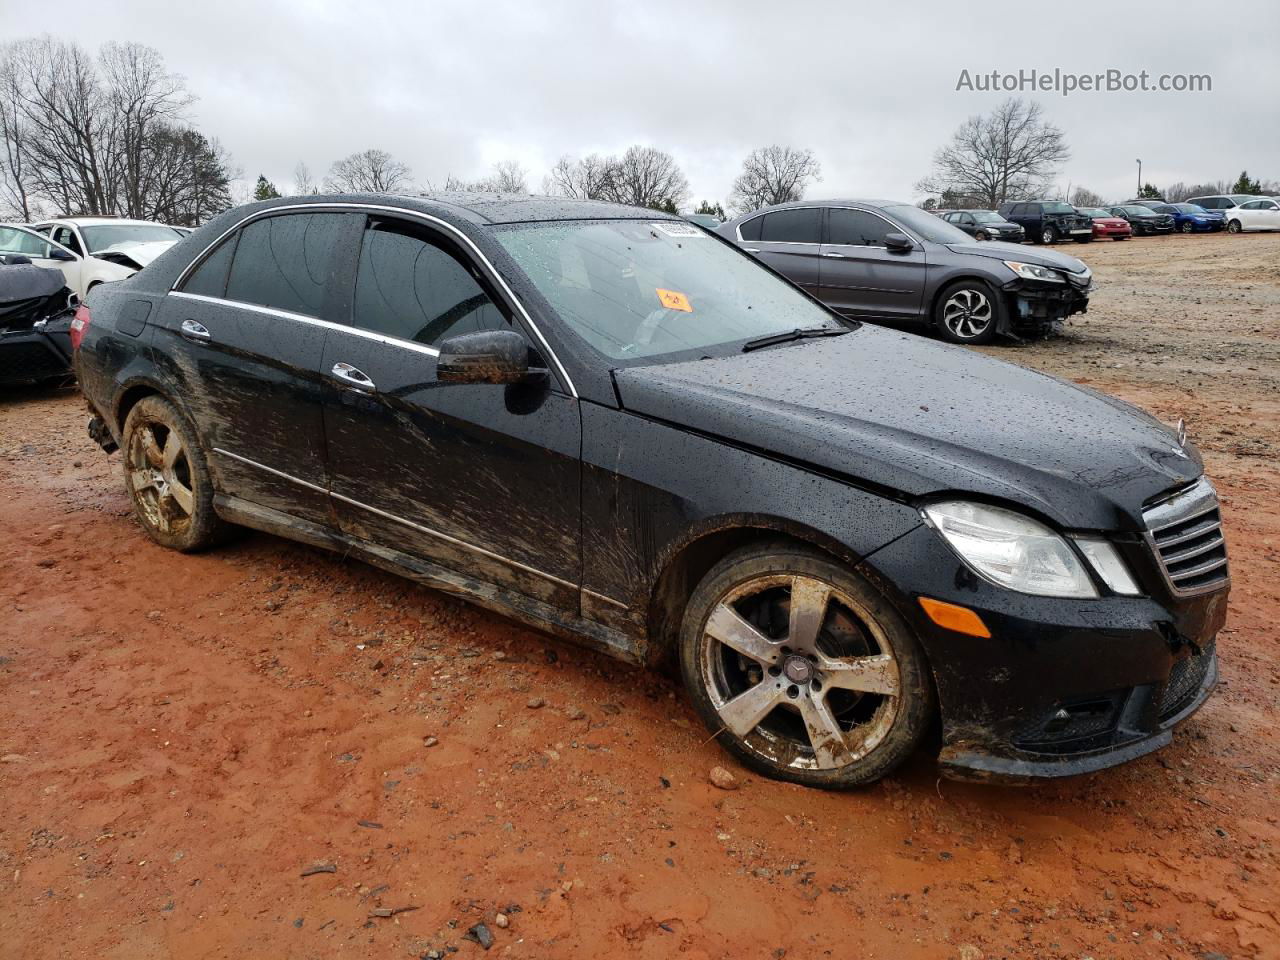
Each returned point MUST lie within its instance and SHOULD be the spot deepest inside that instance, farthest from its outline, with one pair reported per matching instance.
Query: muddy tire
(802, 669)
(167, 477)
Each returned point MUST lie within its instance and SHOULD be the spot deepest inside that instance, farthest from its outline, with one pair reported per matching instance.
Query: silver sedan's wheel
(967, 315)
(802, 669)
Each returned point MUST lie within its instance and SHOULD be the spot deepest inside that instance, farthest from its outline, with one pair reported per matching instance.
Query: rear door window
(67, 237)
(413, 285)
(286, 262)
(802, 225)
(856, 228)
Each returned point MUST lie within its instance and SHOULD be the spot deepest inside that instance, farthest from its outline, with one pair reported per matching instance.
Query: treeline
(110, 135)
(104, 135)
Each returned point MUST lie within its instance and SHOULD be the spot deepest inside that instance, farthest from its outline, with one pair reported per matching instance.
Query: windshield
(1138, 211)
(109, 234)
(986, 216)
(633, 289)
(1094, 212)
(1189, 208)
(925, 225)
(1059, 208)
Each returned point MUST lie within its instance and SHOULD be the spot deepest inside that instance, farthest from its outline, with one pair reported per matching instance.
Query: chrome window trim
(306, 318)
(408, 523)
(488, 266)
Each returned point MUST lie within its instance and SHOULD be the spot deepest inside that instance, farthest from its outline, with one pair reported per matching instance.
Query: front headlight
(1107, 564)
(1033, 271)
(1011, 550)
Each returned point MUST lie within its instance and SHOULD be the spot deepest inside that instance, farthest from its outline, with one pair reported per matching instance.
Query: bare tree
(1009, 153)
(1084, 197)
(302, 181)
(773, 174)
(104, 137)
(590, 178)
(508, 176)
(370, 171)
(13, 136)
(648, 177)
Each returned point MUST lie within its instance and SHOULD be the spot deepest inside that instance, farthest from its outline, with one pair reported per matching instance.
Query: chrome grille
(1185, 531)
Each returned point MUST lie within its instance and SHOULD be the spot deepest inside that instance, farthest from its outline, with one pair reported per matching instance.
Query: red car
(1107, 224)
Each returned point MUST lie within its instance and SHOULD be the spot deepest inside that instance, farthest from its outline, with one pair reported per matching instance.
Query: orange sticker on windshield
(673, 300)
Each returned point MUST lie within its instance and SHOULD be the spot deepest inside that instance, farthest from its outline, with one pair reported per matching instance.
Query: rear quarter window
(751, 229)
(209, 278)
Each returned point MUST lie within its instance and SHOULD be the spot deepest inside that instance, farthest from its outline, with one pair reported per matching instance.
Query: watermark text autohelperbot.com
(1066, 83)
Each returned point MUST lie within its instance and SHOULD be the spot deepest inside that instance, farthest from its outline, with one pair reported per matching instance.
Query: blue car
(1187, 217)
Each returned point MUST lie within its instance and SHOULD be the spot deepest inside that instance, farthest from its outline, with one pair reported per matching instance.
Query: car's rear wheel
(167, 477)
(802, 669)
(968, 312)
(1049, 234)
(1234, 226)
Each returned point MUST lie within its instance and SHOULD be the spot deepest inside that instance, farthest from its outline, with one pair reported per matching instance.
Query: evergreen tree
(265, 190)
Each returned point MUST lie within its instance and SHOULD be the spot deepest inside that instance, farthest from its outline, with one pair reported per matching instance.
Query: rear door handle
(356, 378)
(195, 330)
(751, 249)
(835, 256)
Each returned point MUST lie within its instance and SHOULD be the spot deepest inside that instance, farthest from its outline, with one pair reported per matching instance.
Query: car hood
(998, 250)
(912, 418)
(141, 253)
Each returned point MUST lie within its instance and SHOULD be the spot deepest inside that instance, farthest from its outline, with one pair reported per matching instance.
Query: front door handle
(835, 256)
(195, 330)
(751, 249)
(356, 378)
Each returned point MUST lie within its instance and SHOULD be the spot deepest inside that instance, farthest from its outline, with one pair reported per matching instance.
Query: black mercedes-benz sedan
(612, 425)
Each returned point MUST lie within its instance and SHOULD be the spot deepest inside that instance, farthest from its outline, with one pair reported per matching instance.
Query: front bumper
(1038, 308)
(1062, 687)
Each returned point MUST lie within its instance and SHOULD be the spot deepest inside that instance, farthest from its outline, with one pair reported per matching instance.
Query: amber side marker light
(954, 617)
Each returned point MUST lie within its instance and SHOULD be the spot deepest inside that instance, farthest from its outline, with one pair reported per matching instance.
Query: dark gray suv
(883, 260)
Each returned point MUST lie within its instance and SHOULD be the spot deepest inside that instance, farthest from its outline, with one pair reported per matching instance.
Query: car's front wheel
(981, 235)
(967, 312)
(1234, 226)
(167, 477)
(1188, 227)
(802, 669)
(1049, 235)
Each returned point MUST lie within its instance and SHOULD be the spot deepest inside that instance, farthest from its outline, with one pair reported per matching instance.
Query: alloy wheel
(160, 477)
(799, 672)
(967, 314)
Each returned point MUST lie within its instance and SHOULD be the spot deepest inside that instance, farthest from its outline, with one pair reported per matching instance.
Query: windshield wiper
(799, 333)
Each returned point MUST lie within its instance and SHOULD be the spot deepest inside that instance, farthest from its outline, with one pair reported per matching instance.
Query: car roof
(524, 208)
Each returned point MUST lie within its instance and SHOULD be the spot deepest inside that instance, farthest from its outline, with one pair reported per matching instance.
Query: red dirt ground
(182, 736)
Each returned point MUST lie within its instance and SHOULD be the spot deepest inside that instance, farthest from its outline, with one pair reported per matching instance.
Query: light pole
(1139, 193)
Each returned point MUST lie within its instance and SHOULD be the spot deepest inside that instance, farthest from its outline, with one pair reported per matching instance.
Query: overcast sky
(453, 87)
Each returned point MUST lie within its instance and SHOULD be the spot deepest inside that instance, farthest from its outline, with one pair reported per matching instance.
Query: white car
(129, 243)
(80, 273)
(1243, 212)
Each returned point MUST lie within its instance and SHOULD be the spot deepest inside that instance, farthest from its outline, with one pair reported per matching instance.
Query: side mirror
(490, 356)
(57, 253)
(898, 242)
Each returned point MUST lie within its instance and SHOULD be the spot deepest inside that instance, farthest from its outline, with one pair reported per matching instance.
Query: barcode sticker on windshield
(682, 231)
(673, 300)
